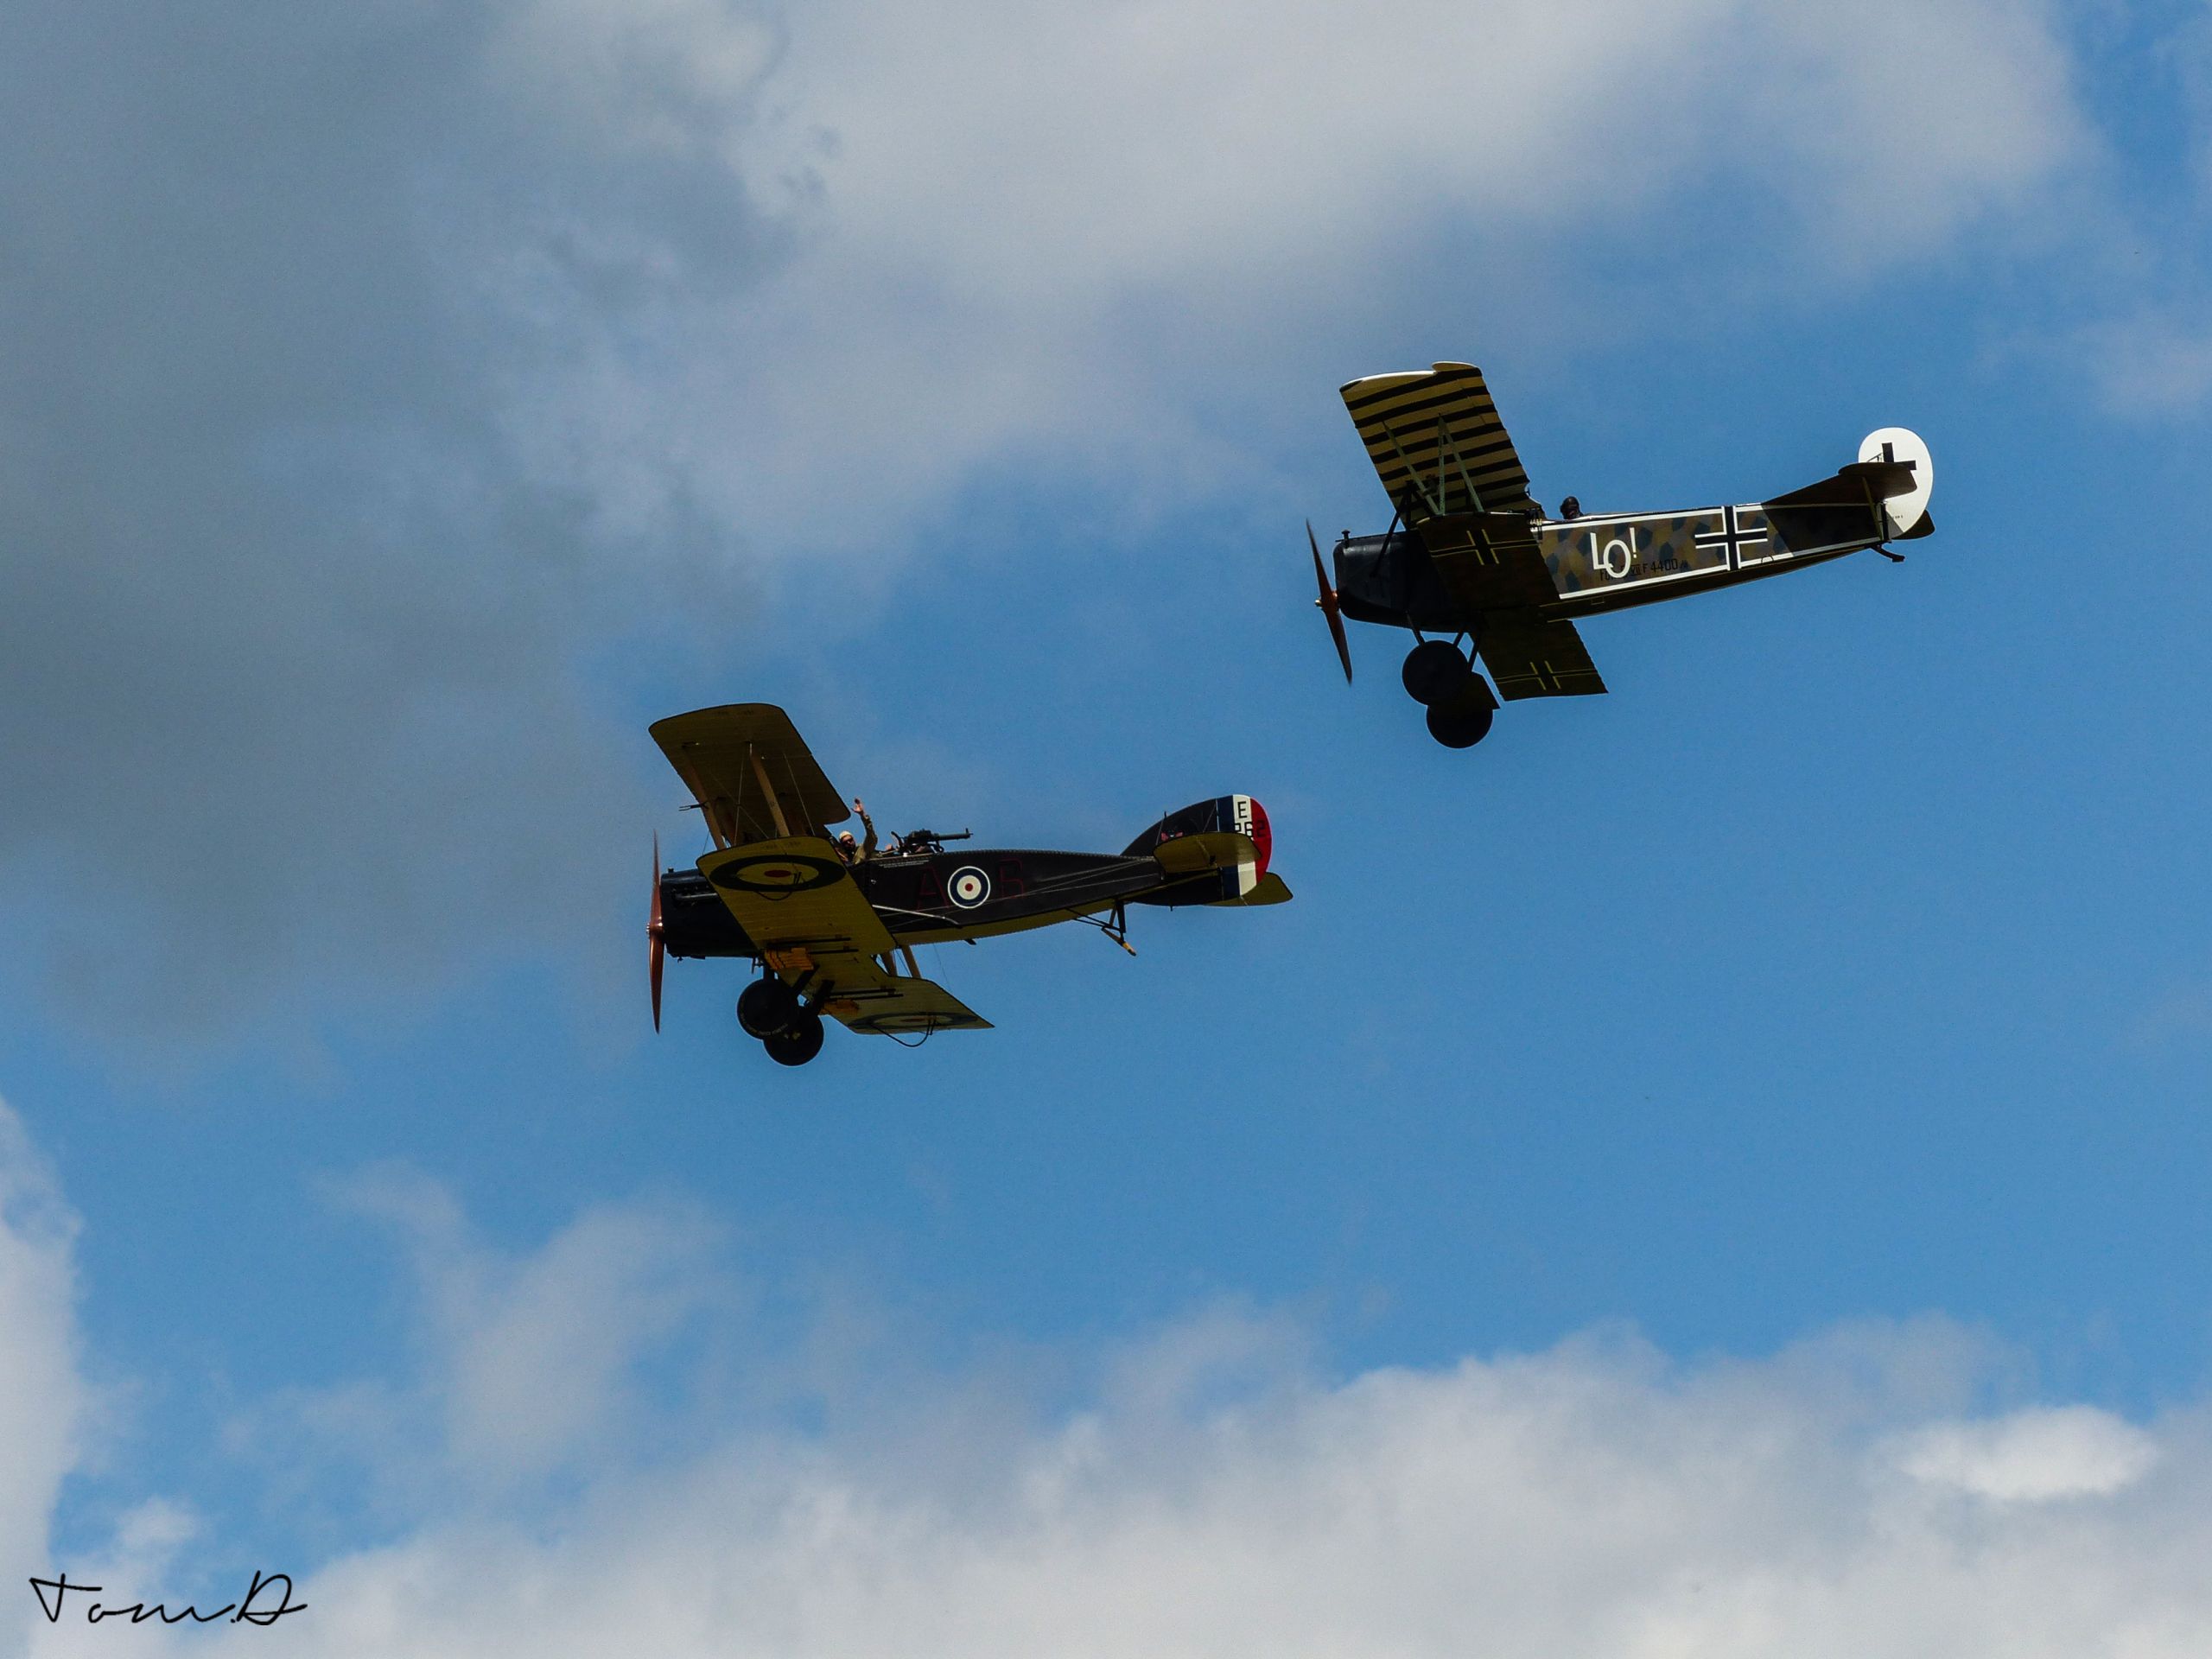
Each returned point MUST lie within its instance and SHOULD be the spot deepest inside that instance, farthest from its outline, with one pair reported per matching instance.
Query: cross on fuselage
(1734, 538)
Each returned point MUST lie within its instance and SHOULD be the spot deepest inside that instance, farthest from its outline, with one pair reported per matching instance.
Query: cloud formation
(43, 1403)
(362, 374)
(1210, 1489)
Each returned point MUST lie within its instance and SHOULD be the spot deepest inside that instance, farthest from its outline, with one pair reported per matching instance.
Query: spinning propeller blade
(1329, 605)
(656, 951)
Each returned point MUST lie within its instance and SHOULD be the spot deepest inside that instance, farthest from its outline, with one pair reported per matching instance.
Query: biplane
(836, 939)
(1469, 555)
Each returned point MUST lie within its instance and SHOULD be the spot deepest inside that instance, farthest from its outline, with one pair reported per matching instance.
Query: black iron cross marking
(1734, 538)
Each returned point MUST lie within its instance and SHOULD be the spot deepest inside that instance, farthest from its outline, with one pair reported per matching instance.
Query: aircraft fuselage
(1607, 562)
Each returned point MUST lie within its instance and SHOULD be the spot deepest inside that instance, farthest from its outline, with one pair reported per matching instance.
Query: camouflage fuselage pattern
(1606, 562)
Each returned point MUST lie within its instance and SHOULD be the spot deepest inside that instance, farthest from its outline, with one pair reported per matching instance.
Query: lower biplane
(1470, 555)
(836, 939)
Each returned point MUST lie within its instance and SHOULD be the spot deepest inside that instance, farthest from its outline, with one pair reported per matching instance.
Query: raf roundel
(969, 886)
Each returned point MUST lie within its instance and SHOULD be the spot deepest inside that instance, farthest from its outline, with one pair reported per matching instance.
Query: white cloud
(526, 1367)
(1211, 1491)
(2033, 1455)
(44, 1405)
(1095, 237)
(1592, 1500)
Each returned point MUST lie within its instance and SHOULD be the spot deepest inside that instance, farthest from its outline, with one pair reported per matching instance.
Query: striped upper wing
(1437, 442)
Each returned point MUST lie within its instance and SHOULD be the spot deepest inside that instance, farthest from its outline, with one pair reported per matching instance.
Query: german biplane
(836, 939)
(1470, 555)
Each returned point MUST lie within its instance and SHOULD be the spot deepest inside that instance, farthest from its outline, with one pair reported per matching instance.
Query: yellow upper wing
(751, 772)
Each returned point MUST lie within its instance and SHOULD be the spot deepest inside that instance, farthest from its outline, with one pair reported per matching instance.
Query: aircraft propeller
(658, 951)
(1329, 605)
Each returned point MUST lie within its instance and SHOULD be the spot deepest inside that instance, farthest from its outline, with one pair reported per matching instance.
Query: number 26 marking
(1619, 557)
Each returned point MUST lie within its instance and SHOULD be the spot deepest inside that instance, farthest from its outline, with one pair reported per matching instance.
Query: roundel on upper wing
(969, 887)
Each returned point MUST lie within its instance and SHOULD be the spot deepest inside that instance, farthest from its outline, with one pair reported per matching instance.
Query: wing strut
(1444, 443)
(767, 789)
(1435, 506)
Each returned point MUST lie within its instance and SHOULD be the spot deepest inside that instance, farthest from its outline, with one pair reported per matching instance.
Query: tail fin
(1892, 478)
(1228, 859)
(1904, 510)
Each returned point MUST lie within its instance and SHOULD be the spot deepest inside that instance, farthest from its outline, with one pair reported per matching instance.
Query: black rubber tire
(766, 1007)
(796, 1043)
(1464, 721)
(1435, 672)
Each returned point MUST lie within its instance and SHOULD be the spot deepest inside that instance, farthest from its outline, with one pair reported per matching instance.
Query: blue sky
(1809, 1038)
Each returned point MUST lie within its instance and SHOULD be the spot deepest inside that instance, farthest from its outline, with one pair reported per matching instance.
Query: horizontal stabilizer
(1890, 482)
(1272, 890)
(1219, 849)
(1854, 485)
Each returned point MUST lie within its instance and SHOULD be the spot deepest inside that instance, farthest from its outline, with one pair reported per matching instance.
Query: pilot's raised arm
(854, 854)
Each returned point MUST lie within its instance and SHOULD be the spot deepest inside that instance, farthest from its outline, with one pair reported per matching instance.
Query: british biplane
(1470, 555)
(837, 939)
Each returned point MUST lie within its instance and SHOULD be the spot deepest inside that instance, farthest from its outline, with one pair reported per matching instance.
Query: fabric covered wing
(1437, 442)
(1489, 561)
(794, 899)
(868, 999)
(1530, 658)
(751, 772)
(800, 906)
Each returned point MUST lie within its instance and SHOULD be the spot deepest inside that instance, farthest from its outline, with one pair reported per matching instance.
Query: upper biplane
(1469, 555)
(837, 939)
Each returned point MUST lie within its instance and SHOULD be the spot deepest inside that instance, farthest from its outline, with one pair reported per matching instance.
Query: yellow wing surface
(751, 772)
(794, 899)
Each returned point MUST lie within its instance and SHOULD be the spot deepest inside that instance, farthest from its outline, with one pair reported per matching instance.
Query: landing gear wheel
(1464, 721)
(766, 1007)
(796, 1043)
(1434, 671)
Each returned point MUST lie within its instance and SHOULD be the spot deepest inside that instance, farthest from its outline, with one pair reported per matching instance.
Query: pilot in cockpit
(854, 852)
